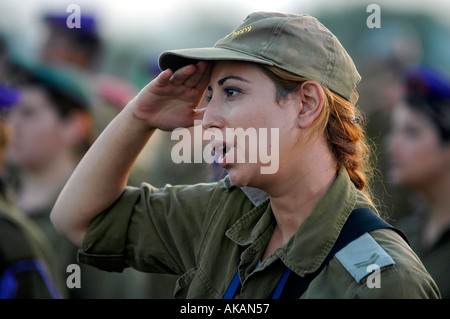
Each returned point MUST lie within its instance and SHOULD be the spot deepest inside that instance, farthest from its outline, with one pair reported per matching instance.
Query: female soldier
(420, 158)
(275, 71)
(50, 132)
(27, 259)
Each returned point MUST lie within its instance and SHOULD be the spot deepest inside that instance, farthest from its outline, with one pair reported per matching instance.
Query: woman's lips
(222, 149)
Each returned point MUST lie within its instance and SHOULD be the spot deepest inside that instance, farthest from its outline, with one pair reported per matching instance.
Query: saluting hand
(171, 99)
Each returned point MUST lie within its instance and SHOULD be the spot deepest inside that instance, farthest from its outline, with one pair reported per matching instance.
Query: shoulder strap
(360, 221)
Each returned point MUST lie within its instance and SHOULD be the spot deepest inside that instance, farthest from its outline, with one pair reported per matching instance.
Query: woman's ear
(312, 99)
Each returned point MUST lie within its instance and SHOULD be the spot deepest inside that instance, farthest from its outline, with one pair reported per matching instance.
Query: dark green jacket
(205, 233)
(27, 260)
(436, 258)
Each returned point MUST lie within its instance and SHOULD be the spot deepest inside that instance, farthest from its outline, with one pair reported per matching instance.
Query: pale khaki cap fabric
(299, 44)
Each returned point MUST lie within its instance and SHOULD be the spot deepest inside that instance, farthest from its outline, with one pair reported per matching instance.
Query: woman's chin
(237, 177)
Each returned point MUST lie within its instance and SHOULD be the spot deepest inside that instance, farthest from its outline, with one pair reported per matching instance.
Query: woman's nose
(392, 142)
(212, 117)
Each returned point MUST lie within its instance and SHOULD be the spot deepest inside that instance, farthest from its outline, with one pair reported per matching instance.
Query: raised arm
(168, 102)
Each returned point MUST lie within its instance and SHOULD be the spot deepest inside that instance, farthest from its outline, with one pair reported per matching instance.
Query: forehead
(34, 98)
(34, 94)
(404, 115)
(245, 70)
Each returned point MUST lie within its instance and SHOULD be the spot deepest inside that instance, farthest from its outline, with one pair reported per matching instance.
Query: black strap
(359, 222)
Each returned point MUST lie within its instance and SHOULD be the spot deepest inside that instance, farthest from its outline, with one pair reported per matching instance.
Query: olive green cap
(299, 44)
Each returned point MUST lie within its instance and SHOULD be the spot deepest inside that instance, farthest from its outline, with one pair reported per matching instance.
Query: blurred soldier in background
(78, 47)
(28, 264)
(50, 130)
(420, 161)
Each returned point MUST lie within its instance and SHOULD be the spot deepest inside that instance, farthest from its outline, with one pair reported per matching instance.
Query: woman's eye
(412, 132)
(28, 112)
(231, 92)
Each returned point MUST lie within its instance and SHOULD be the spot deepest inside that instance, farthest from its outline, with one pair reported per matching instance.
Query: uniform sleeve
(151, 229)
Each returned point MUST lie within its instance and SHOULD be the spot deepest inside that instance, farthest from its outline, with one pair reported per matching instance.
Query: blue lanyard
(231, 291)
(9, 283)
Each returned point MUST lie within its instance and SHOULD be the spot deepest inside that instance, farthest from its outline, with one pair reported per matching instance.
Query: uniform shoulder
(404, 277)
(362, 253)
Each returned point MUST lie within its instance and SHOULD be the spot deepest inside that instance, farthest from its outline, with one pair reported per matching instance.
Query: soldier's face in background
(418, 156)
(36, 134)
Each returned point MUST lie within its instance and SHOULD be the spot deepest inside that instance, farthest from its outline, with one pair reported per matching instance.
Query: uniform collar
(307, 248)
(255, 195)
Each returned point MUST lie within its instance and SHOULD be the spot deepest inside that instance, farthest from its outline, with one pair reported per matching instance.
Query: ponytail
(345, 135)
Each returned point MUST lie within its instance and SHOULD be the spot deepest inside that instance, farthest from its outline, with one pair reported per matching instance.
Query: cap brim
(175, 59)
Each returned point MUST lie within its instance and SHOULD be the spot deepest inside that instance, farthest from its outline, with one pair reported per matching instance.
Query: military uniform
(206, 233)
(436, 257)
(94, 284)
(27, 261)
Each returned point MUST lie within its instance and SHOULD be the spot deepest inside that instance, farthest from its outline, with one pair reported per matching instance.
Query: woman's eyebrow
(231, 77)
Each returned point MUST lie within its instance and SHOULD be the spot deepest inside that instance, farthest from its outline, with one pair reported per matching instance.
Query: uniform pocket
(195, 284)
(183, 283)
